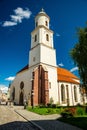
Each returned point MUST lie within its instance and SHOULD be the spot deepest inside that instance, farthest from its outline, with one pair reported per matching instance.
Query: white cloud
(3, 88)
(9, 23)
(58, 35)
(22, 13)
(61, 64)
(17, 17)
(74, 69)
(11, 78)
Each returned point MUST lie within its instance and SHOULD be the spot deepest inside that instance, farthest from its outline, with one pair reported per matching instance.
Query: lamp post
(32, 94)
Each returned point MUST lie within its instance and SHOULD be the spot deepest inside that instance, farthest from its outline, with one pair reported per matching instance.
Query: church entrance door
(21, 98)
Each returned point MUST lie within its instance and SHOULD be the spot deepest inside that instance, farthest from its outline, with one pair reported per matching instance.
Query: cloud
(61, 64)
(9, 23)
(11, 78)
(17, 17)
(58, 35)
(74, 69)
(3, 88)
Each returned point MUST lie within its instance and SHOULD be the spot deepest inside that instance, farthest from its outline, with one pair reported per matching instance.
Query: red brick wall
(40, 87)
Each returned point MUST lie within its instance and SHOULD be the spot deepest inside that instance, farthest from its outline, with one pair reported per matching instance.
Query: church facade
(42, 81)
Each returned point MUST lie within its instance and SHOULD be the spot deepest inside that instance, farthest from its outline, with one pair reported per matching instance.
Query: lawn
(45, 111)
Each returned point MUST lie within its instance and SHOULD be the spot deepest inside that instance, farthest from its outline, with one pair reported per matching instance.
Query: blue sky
(17, 22)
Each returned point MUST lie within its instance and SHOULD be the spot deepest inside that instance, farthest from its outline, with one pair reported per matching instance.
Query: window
(36, 24)
(62, 93)
(22, 85)
(33, 59)
(35, 38)
(67, 92)
(75, 94)
(49, 84)
(47, 37)
(46, 23)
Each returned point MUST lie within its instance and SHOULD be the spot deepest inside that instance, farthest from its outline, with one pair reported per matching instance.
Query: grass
(44, 111)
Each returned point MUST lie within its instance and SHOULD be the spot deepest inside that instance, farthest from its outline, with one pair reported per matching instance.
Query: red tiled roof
(66, 76)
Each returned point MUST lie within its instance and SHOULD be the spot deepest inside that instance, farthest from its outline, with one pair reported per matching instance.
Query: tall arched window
(35, 38)
(46, 23)
(47, 37)
(22, 85)
(75, 93)
(36, 24)
(13, 94)
(62, 93)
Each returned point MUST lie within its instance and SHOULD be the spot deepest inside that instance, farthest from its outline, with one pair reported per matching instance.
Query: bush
(80, 111)
(68, 112)
(54, 105)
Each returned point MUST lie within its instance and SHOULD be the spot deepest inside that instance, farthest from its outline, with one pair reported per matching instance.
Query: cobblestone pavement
(9, 120)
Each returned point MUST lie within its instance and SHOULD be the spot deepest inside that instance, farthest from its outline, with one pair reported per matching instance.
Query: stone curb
(39, 128)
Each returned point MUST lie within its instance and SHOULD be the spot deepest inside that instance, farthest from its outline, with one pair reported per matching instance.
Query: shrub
(68, 112)
(54, 106)
(80, 111)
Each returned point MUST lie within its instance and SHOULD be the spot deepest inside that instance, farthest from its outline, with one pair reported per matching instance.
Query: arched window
(62, 93)
(75, 93)
(47, 37)
(35, 38)
(46, 23)
(22, 85)
(36, 24)
(13, 94)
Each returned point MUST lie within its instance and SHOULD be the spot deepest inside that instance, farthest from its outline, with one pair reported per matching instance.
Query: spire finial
(42, 10)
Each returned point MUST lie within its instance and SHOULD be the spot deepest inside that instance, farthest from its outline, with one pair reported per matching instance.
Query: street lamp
(32, 94)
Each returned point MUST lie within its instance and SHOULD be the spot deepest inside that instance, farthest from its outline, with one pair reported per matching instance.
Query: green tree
(79, 54)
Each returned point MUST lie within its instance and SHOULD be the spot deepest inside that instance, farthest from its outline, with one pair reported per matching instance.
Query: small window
(50, 85)
(46, 23)
(33, 58)
(35, 38)
(47, 37)
(36, 24)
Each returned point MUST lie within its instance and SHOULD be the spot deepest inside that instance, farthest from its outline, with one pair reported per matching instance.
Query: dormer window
(47, 37)
(35, 38)
(46, 23)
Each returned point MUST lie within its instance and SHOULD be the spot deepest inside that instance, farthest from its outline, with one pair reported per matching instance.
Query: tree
(79, 54)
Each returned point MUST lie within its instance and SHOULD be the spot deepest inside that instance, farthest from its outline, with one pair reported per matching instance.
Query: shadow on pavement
(18, 125)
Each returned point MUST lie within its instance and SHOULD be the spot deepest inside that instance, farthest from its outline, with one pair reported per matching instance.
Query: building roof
(62, 74)
(66, 76)
(24, 68)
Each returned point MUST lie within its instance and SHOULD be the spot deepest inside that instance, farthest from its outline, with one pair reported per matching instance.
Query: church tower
(42, 52)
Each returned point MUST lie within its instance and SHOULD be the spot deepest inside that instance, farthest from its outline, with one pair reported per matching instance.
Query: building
(42, 80)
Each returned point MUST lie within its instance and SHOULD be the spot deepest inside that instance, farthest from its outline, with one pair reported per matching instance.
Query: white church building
(42, 80)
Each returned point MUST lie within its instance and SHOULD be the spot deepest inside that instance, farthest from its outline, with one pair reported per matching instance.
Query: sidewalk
(44, 122)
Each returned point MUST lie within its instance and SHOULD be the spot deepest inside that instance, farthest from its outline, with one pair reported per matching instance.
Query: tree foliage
(79, 54)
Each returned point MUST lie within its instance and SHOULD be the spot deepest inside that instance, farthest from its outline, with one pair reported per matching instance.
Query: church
(42, 81)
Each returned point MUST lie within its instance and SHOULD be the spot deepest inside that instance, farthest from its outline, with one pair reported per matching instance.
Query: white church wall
(21, 77)
(46, 54)
(70, 94)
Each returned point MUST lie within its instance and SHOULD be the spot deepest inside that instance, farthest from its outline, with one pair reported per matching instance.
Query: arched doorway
(21, 98)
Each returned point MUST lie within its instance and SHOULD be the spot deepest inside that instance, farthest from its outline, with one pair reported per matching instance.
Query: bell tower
(42, 51)
(42, 41)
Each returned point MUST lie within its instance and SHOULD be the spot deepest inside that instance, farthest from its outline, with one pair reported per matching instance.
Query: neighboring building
(41, 80)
